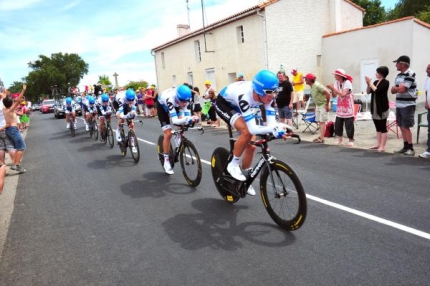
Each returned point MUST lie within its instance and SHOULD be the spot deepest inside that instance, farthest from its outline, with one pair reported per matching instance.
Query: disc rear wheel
(225, 188)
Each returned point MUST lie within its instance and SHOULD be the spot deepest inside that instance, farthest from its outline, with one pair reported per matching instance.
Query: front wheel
(109, 136)
(95, 131)
(134, 146)
(226, 189)
(283, 195)
(190, 163)
(160, 152)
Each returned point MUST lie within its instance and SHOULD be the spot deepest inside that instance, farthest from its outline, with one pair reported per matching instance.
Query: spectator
(379, 106)
(149, 103)
(321, 99)
(405, 89)
(299, 89)
(284, 100)
(5, 144)
(342, 89)
(196, 98)
(141, 101)
(210, 98)
(240, 77)
(12, 130)
(426, 154)
(2, 175)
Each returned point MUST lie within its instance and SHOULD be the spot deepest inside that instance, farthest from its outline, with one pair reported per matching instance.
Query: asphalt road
(84, 215)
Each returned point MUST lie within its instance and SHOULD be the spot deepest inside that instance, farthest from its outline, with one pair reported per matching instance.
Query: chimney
(182, 30)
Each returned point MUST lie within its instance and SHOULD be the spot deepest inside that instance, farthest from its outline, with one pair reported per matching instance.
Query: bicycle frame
(179, 135)
(266, 159)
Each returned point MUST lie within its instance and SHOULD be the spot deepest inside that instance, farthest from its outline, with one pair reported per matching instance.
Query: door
(368, 68)
(210, 75)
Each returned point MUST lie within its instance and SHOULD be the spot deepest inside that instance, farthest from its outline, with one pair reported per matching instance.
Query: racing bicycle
(71, 125)
(93, 127)
(129, 141)
(280, 188)
(185, 152)
(107, 134)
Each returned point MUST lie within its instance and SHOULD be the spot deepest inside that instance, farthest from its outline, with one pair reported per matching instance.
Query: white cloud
(115, 37)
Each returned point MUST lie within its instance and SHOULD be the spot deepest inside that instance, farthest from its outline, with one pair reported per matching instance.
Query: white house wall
(351, 17)
(347, 50)
(228, 56)
(420, 56)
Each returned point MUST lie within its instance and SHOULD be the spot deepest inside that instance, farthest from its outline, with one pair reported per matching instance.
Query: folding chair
(391, 120)
(309, 119)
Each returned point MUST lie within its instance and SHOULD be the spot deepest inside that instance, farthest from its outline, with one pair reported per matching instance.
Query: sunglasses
(269, 91)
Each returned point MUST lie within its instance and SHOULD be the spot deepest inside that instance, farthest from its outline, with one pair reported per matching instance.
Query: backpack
(329, 129)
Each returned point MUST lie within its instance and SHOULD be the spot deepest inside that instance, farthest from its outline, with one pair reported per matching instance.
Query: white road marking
(352, 211)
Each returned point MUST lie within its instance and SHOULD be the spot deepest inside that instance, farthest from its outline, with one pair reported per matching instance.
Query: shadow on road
(150, 186)
(215, 226)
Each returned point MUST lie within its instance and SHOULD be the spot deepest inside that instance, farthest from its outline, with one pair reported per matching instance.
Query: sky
(111, 36)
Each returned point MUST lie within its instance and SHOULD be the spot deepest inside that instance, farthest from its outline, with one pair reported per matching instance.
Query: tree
(425, 15)
(105, 82)
(57, 73)
(416, 8)
(15, 87)
(136, 84)
(375, 13)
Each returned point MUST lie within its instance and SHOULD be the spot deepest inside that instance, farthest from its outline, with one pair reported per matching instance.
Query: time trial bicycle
(107, 134)
(93, 128)
(130, 141)
(185, 152)
(280, 188)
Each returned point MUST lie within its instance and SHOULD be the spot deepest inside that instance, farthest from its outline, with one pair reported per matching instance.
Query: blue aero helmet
(68, 100)
(265, 82)
(183, 93)
(91, 100)
(130, 95)
(105, 97)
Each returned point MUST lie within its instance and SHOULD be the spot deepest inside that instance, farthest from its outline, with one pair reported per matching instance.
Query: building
(263, 36)
(360, 51)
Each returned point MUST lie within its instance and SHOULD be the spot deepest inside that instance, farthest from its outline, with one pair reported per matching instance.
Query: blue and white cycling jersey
(239, 96)
(171, 105)
(69, 108)
(105, 109)
(126, 109)
(92, 108)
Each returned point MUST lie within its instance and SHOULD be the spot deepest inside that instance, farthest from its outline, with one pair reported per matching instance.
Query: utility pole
(188, 13)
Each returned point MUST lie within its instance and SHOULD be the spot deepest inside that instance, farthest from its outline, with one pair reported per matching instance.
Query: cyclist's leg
(164, 118)
(119, 120)
(102, 124)
(67, 120)
(73, 114)
(248, 155)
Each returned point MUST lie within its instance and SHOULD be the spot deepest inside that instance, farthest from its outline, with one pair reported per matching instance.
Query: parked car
(35, 107)
(47, 106)
(59, 109)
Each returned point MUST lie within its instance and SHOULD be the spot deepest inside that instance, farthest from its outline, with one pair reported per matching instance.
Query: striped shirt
(408, 98)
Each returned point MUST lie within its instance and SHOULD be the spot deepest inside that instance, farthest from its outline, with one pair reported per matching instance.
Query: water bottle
(177, 140)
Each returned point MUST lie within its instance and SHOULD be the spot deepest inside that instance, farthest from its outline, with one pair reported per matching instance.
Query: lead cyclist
(234, 105)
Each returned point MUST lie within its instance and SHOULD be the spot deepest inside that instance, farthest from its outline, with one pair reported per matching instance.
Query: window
(197, 51)
(163, 63)
(239, 35)
(190, 78)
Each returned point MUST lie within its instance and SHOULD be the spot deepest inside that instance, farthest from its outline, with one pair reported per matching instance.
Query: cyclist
(234, 105)
(127, 110)
(174, 104)
(69, 110)
(91, 110)
(104, 111)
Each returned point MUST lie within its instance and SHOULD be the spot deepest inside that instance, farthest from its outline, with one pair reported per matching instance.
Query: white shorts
(321, 114)
(298, 96)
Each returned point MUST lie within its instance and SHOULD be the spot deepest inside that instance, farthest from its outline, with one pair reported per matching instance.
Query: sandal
(318, 140)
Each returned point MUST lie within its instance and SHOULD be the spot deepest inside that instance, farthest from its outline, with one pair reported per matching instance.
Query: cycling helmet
(130, 95)
(183, 93)
(265, 82)
(68, 100)
(91, 100)
(105, 97)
